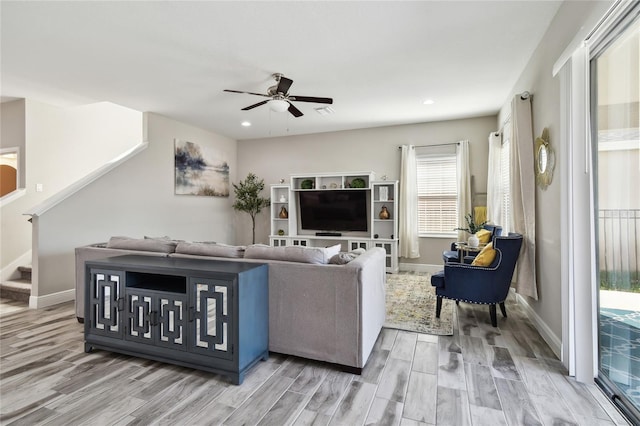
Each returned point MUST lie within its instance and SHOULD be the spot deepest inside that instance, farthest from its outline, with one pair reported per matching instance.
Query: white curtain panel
(464, 186)
(523, 189)
(494, 187)
(409, 243)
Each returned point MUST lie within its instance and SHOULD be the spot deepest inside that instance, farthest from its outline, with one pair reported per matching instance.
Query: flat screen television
(335, 210)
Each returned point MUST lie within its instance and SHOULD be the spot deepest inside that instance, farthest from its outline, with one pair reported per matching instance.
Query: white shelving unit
(381, 232)
(385, 231)
(280, 197)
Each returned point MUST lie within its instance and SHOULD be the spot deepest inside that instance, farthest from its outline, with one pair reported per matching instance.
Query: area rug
(411, 305)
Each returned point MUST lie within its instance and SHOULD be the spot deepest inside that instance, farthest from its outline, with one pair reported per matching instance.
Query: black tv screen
(337, 210)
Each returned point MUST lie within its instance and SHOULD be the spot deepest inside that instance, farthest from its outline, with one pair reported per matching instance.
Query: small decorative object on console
(383, 193)
(306, 184)
(281, 232)
(472, 226)
(284, 214)
(358, 183)
(384, 213)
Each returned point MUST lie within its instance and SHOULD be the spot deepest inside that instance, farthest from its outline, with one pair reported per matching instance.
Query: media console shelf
(380, 195)
(204, 314)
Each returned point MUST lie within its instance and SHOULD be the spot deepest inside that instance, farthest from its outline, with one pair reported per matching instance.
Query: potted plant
(472, 228)
(248, 199)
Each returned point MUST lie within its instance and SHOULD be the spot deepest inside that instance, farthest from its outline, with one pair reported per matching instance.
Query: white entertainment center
(370, 229)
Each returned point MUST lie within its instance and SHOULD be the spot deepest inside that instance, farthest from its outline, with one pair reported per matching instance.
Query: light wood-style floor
(479, 376)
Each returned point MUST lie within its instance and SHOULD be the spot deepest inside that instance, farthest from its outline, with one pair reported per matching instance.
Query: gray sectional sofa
(317, 310)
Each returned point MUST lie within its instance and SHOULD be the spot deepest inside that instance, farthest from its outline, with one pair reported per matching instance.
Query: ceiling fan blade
(283, 85)
(254, 105)
(248, 93)
(295, 111)
(311, 99)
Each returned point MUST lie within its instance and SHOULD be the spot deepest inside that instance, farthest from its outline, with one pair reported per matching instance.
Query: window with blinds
(506, 187)
(437, 194)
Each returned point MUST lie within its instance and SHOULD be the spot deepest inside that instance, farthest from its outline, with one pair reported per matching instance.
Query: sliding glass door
(615, 126)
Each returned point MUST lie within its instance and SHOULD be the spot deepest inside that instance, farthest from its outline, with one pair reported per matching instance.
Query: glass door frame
(597, 46)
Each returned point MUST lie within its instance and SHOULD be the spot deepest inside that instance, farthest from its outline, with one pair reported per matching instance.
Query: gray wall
(373, 149)
(53, 140)
(135, 199)
(15, 231)
(537, 79)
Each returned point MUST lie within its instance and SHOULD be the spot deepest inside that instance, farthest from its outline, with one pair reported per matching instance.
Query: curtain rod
(428, 146)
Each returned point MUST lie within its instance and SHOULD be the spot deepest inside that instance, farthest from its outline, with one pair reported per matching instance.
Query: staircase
(18, 289)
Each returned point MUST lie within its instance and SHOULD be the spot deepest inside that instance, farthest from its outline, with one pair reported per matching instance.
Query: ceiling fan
(280, 98)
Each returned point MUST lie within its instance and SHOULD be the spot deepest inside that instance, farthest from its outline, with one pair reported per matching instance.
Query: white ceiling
(378, 60)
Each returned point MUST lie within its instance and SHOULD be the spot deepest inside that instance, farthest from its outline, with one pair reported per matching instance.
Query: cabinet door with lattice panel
(211, 317)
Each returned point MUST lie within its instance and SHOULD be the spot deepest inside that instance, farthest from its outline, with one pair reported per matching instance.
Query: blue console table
(205, 314)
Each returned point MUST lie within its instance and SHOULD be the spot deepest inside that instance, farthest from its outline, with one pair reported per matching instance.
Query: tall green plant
(248, 199)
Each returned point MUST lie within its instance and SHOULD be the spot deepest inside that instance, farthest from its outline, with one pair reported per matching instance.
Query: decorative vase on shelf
(283, 199)
(384, 213)
(284, 214)
(473, 241)
(281, 232)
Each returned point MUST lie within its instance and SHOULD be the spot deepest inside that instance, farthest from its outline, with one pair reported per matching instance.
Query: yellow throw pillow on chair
(486, 256)
(484, 236)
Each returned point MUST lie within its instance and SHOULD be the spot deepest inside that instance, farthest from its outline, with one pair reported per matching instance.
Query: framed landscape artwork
(200, 170)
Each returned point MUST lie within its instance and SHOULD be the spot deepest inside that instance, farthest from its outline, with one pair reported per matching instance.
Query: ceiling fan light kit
(278, 105)
(280, 98)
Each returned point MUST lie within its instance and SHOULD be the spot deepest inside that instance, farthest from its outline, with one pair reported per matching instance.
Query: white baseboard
(10, 272)
(421, 267)
(547, 334)
(37, 302)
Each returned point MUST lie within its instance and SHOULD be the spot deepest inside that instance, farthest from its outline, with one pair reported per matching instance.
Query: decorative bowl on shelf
(358, 183)
(306, 184)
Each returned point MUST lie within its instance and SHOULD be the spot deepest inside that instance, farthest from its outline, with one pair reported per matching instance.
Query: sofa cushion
(300, 254)
(437, 280)
(210, 249)
(142, 244)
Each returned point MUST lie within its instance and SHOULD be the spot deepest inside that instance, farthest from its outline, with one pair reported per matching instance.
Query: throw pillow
(142, 244)
(262, 251)
(301, 254)
(342, 258)
(332, 251)
(484, 236)
(208, 249)
(486, 256)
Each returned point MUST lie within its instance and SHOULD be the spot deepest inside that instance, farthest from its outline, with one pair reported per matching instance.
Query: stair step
(25, 272)
(16, 290)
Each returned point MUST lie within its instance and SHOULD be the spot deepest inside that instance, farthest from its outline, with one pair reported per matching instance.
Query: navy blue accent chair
(488, 285)
(453, 255)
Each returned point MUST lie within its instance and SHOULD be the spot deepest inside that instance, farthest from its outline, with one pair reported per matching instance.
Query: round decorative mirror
(542, 159)
(545, 160)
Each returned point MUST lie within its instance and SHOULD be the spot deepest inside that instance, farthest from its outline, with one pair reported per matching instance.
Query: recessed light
(429, 102)
(245, 124)
(324, 110)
